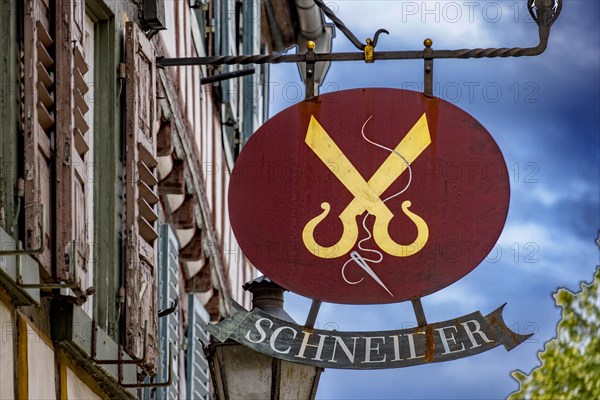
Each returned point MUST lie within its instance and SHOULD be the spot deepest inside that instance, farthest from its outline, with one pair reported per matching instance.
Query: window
(89, 51)
(227, 42)
(103, 166)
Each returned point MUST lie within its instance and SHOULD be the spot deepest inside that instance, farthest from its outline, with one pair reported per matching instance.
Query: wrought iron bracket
(310, 71)
(546, 13)
(49, 286)
(29, 252)
(19, 252)
(428, 68)
(168, 382)
(119, 360)
(543, 12)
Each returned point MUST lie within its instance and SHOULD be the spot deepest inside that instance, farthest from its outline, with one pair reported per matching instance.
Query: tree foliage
(570, 366)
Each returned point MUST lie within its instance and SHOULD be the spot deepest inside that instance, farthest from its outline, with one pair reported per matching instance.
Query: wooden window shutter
(141, 195)
(74, 177)
(39, 117)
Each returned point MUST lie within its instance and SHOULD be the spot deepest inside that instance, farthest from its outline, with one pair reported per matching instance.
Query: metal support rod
(428, 68)
(419, 313)
(226, 75)
(168, 383)
(359, 56)
(315, 386)
(119, 360)
(70, 285)
(312, 314)
(354, 56)
(310, 71)
(276, 380)
(544, 33)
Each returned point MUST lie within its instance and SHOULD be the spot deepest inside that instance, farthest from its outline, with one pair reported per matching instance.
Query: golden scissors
(366, 194)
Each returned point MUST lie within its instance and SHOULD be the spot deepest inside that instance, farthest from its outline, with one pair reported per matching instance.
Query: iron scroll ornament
(540, 17)
(346, 31)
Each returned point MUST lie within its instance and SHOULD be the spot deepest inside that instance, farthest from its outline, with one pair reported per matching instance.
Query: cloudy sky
(543, 112)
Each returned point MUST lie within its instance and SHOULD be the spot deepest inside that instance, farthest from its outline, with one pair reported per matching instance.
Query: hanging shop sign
(443, 341)
(369, 196)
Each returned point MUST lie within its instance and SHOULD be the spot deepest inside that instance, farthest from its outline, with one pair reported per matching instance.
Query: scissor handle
(381, 235)
(387, 244)
(349, 235)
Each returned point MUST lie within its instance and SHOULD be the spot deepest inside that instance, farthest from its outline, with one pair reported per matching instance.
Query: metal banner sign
(442, 341)
(369, 196)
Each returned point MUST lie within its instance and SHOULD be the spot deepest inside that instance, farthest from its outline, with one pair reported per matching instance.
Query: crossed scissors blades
(367, 194)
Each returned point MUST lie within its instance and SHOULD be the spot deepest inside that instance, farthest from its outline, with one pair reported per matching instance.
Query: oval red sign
(369, 196)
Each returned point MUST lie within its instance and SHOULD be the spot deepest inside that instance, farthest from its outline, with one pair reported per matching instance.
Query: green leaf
(570, 363)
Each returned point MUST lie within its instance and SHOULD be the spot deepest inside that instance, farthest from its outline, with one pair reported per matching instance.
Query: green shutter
(8, 116)
(168, 326)
(197, 375)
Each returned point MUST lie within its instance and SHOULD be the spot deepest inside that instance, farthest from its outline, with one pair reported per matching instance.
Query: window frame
(107, 246)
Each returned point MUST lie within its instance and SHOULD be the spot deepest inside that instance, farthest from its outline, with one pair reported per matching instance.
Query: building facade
(115, 238)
